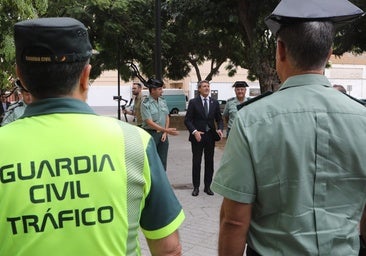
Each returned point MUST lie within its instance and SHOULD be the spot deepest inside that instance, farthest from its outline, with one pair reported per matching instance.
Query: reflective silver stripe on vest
(134, 157)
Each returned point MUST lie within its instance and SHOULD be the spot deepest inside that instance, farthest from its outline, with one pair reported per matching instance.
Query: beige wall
(349, 70)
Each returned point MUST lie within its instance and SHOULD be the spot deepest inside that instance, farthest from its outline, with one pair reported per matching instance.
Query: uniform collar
(307, 79)
(57, 105)
(153, 99)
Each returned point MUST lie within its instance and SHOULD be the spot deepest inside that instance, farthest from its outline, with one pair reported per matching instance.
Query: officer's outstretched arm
(167, 246)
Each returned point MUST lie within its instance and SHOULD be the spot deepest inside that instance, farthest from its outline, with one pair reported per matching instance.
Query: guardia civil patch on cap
(43, 40)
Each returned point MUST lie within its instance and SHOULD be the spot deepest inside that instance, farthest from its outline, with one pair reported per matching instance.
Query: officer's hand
(163, 137)
(172, 131)
(219, 132)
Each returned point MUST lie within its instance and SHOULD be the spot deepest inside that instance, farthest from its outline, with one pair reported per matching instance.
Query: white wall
(102, 95)
(352, 77)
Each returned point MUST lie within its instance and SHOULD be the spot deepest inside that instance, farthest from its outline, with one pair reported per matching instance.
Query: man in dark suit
(202, 113)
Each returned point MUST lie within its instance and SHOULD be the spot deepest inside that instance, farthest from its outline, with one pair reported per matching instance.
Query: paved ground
(199, 231)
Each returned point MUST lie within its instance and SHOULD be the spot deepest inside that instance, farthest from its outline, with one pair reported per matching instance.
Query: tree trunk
(260, 50)
(267, 77)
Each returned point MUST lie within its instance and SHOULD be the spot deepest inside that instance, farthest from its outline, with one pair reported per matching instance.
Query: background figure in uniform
(136, 108)
(293, 172)
(4, 106)
(155, 117)
(340, 88)
(202, 134)
(73, 182)
(230, 109)
(16, 109)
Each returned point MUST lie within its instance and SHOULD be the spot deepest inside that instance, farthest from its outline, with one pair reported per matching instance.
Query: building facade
(348, 70)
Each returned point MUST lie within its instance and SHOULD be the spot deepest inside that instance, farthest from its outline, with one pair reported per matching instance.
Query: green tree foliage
(121, 31)
(218, 31)
(192, 32)
(13, 11)
(259, 53)
(204, 30)
(352, 37)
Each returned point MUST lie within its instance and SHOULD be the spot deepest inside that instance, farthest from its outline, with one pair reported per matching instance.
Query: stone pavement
(199, 232)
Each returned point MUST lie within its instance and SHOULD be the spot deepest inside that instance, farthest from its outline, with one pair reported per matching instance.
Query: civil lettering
(48, 192)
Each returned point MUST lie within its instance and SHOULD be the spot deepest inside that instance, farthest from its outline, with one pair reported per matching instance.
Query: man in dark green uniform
(155, 117)
(293, 173)
(231, 108)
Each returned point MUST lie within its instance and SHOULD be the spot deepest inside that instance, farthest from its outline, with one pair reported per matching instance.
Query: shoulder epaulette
(254, 99)
(353, 98)
(145, 100)
(230, 99)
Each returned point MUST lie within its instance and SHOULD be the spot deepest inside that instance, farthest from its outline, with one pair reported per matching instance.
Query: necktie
(205, 106)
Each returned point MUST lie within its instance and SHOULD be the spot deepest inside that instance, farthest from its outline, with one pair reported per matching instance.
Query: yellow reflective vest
(74, 183)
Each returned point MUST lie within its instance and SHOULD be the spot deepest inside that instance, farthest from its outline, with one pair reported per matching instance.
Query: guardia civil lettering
(60, 166)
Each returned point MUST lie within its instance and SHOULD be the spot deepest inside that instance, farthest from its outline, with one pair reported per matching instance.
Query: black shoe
(208, 191)
(195, 192)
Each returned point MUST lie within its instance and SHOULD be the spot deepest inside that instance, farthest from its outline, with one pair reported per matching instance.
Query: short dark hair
(202, 82)
(51, 80)
(308, 43)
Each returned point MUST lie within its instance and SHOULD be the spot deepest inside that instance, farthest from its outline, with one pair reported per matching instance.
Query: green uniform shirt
(80, 184)
(299, 157)
(14, 111)
(156, 110)
(230, 110)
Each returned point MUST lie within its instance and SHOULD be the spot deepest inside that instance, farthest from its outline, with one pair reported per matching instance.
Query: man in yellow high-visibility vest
(77, 183)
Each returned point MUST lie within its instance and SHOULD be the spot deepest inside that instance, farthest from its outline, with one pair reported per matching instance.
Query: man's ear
(84, 78)
(281, 50)
(19, 75)
(330, 54)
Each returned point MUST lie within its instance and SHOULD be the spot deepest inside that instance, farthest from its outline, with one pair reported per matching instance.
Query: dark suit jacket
(196, 119)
